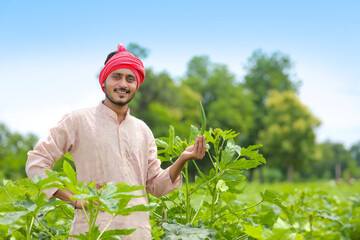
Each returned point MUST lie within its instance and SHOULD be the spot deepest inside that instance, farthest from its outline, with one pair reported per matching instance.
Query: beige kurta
(104, 151)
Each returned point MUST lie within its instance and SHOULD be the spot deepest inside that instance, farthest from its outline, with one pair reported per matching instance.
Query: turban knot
(123, 59)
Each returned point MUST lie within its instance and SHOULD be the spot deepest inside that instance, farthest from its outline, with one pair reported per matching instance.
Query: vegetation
(215, 206)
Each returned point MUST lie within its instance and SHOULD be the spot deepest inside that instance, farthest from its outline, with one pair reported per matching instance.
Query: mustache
(122, 89)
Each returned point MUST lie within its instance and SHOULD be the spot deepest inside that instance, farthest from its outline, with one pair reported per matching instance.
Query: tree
(13, 153)
(266, 72)
(138, 51)
(288, 136)
(355, 152)
(226, 103)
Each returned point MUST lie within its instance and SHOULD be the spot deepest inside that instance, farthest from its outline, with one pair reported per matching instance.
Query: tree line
(263, 107)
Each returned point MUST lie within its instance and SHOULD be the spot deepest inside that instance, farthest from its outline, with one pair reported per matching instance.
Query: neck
(119, 110)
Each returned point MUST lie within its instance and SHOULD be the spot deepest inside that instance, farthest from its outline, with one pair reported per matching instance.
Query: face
(120, 86)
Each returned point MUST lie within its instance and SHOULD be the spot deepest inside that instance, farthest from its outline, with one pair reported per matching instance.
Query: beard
(116, 102)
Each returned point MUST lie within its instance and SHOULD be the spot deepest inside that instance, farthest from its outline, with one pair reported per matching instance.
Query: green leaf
(269, 218)
(69, 172)
(17, 235)
(186, 232)
(10, 218)
(68, 156)
(269, 196)
(171, 139)
(117, 232)
(194, 131)
(138, 208)
(161, 143)
(4, 230)
(124, 187)
(272, 197)
(243, 164)
(228, 153)
(252, 153)
(254, 232)
(7, 208)
(280, 230)
(27, 205)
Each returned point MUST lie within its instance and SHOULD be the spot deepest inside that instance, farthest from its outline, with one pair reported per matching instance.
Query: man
(109, 145)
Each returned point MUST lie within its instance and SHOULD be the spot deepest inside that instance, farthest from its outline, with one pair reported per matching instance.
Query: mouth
(122, 91)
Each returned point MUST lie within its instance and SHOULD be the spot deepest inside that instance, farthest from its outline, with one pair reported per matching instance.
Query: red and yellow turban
(123, 59)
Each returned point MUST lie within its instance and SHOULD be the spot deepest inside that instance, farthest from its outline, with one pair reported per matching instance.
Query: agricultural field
(218, 204)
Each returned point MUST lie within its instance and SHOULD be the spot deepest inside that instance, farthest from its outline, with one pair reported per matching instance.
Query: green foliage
(217, 187)
(13, 153)
(21, 210)
(26, 214)
(289, 129)
(266, 72)
(138, 51)
(186, 232)
(335, 160)
(227, 103)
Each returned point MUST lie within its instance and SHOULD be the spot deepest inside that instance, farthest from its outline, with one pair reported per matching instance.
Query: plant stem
(188, 206)
(9, 196)
(213, 206)
(202, 200)
(67, 215)
(169, 209)
(311, 227)
(28, 234)
(178, 205)
(205, 183)
(243, 209)
(156, 215)
(45, 229)
(198, 169)
(96, 214)
(112, 219)
(83, 208)
(212, 161)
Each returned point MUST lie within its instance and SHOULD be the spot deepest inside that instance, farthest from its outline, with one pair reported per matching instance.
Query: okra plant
(25, 218)
(215, 186)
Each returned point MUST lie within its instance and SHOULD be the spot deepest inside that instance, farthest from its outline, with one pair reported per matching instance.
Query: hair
(110, 56)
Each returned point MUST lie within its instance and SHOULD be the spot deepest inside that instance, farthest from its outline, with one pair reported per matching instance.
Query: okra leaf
(242, 163)
(194, 131)
(69, 172)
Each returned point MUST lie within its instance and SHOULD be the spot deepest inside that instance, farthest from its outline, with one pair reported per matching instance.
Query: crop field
(219, 204)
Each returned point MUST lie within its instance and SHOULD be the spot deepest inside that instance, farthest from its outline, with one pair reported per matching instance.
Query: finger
(196, 146)
(201, 145)
(204, 143)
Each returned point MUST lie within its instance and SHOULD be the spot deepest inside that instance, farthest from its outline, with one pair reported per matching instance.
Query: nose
(122, 82)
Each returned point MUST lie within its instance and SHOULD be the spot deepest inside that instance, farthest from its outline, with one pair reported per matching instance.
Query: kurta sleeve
(158, 180)
(47, 151)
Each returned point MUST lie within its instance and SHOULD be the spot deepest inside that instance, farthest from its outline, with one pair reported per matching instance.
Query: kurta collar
(103, 108)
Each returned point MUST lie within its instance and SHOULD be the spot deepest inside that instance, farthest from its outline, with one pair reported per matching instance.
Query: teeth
(121, 91)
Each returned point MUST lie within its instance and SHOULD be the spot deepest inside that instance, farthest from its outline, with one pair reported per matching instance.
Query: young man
(109, 145)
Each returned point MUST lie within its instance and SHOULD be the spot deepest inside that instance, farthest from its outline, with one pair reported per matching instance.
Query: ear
(103, 84)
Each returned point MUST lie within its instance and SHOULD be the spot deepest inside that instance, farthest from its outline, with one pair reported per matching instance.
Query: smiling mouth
(122, 90)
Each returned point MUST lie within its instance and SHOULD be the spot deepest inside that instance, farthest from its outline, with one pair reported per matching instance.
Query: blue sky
(51, 51)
